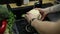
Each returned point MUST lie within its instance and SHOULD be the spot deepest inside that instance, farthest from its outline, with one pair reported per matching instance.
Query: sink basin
(20, 23)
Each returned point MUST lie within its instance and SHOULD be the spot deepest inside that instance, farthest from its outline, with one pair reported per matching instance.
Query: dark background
(7, 1)
(11, 1)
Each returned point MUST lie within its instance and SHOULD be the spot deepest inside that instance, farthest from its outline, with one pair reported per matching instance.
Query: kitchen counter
(13, 5)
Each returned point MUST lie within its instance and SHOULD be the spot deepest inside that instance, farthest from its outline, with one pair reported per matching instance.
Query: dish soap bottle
(25, 1)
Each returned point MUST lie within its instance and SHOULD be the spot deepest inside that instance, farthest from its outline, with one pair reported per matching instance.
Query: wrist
(47, 10)
(33, 22)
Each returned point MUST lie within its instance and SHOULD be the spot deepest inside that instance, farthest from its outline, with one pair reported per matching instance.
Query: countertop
(13, 5)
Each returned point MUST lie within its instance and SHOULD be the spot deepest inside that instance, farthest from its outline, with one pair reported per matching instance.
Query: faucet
(38, 4)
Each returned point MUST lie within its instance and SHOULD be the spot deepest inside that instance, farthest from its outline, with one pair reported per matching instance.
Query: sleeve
(54, 8)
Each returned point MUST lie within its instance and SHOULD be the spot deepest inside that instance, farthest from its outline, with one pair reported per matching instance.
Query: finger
(26, 16)
(43, 17)
(28, 13)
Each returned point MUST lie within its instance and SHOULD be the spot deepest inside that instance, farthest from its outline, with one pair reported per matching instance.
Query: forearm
(54, 8)
(44, 26)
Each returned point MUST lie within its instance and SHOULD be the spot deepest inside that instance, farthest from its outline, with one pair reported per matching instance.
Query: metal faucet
(38, 4)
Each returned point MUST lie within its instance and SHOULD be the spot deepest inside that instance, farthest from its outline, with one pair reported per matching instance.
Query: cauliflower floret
(35, 12)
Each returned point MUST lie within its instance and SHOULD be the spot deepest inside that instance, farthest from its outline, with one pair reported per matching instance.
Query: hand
(32, 14)
(43, 12)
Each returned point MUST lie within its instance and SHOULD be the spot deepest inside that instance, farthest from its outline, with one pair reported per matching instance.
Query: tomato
(3, 27)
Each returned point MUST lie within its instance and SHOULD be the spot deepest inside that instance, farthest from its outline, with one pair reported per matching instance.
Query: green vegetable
(11, 18)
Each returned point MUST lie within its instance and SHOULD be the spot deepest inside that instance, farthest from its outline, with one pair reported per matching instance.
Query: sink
(20, 23)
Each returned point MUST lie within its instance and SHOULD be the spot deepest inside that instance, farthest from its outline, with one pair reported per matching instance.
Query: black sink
(20, 23)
